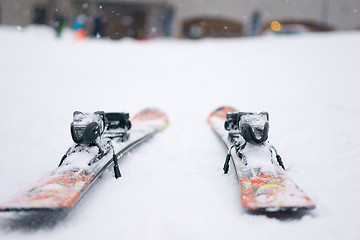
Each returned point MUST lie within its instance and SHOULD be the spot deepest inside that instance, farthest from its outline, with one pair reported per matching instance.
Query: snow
(255, 156)
(172, 185)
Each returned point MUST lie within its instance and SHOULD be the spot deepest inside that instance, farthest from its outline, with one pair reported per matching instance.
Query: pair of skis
(263, 187)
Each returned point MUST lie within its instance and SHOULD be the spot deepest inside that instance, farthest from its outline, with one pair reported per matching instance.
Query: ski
(99, 140)
(265, 187)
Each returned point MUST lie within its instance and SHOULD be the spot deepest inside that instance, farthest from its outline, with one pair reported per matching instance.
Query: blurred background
(302, 66)
(194, 19)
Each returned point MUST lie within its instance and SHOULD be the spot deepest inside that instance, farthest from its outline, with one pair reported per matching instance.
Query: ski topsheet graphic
(100, 139)
(263, 182)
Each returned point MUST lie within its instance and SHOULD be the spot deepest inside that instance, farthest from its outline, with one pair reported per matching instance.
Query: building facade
(153, 18)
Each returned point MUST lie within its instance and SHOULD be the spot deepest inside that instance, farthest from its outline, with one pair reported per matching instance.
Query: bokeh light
(275, 26)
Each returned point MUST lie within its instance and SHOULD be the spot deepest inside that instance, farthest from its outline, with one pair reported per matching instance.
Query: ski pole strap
(227, 160)
(116, 166)
(278, 158)
(64, 157)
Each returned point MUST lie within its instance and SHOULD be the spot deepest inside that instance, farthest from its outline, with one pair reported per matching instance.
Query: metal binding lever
(227, 160)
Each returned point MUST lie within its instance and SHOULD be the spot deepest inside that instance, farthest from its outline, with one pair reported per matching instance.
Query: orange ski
(62, 188)
(263, 182)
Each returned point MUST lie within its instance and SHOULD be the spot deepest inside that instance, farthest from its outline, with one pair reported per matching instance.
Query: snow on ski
(81, 166)
(263, 182)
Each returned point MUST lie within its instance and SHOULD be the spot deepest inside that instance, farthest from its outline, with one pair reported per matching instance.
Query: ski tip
(153, 116)
(220, 112)
(163, 126)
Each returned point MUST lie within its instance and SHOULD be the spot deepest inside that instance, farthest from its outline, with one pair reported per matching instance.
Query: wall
(19, 12)
(342, 14)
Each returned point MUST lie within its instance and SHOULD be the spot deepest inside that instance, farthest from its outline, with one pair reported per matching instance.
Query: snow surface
(173, 186)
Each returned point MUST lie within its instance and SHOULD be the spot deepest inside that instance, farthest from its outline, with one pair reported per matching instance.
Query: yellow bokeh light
(275, 26)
